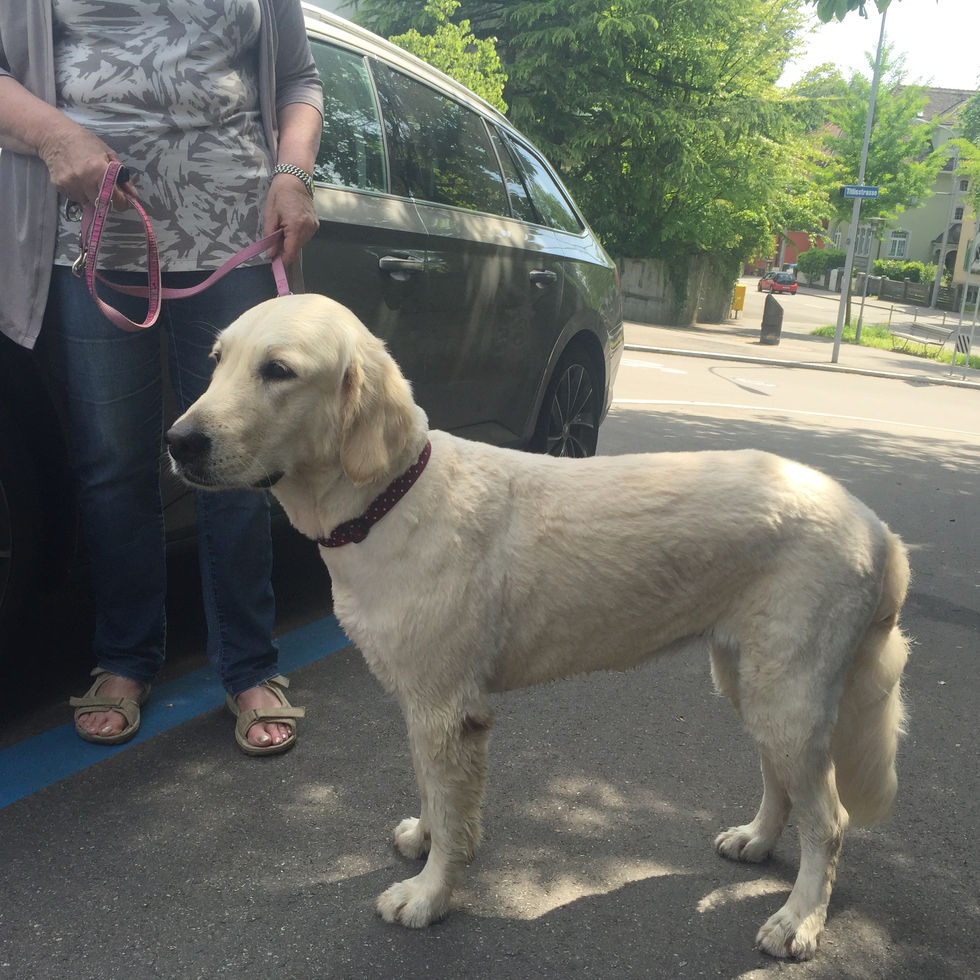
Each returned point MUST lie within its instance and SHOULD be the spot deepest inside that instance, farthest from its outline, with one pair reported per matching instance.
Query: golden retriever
(500, 569)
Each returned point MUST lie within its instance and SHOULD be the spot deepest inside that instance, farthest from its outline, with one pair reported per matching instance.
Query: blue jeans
(112, 385)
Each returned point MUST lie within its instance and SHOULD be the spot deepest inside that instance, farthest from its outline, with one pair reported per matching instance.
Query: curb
(918, 379)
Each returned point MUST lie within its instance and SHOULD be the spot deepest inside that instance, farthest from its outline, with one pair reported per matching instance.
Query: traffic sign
(858, 190)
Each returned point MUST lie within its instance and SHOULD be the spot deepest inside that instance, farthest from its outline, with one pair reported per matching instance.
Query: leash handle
(93, 224)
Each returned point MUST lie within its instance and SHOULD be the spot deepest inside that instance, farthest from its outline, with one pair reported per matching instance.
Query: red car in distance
(778, 282)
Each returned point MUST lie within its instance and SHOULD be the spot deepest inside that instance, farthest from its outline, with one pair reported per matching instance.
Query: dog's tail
(871, 715)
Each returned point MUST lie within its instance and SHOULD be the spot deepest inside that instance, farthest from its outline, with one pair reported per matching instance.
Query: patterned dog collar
(356, 530)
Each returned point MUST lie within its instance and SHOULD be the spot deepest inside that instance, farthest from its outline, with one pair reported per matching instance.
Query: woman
(214, 107)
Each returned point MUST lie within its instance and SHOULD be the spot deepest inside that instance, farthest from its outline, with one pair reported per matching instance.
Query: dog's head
(299, 383)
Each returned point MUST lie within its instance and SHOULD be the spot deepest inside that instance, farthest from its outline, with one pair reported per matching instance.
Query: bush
(898, 270)
(815, 262)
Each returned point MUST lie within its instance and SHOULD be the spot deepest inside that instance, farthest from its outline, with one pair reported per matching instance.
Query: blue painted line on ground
(54, 755)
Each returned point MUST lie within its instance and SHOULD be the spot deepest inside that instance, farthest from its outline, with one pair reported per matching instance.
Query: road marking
(634, 362)
(789, 411)
(54, 755)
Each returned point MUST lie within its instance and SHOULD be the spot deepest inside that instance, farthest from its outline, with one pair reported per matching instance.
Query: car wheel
(568, 424)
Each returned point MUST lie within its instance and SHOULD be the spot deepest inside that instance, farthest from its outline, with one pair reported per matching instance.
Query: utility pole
(856, 210)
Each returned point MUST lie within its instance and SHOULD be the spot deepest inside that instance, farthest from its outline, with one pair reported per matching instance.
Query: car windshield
(783, 277)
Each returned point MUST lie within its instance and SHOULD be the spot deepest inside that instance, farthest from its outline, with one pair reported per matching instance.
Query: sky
(940, 39)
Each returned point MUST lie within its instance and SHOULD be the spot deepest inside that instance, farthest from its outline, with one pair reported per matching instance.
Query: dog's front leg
(412, 836)
(450, 765)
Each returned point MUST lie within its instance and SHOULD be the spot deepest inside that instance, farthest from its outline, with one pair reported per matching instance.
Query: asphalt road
(180, 857)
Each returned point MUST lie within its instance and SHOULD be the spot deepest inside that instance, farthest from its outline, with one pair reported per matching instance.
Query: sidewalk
(738, 339)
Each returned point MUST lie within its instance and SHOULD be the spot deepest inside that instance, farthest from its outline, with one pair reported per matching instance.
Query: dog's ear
(378, 415)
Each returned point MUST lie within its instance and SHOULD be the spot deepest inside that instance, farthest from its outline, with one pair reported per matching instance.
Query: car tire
(568, 423)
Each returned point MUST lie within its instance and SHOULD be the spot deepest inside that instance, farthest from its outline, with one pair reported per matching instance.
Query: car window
(520, 200)
(351, 148)
(438, 149)
(550, 202)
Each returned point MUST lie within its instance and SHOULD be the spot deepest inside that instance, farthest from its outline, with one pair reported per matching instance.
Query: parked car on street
(448, 234)
(778, 282)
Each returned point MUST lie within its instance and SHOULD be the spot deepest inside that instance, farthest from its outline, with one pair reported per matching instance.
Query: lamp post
(856, 210)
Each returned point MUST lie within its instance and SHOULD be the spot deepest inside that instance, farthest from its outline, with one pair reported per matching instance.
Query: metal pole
(856, 210)
(864, 296)
(876, 227)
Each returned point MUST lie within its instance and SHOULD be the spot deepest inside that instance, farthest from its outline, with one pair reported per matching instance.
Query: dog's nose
(187, 443)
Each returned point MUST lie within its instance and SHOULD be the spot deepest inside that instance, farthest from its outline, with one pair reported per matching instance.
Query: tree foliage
(453, 49)
(829, 9)
(662, 116)
(815, 262)
(970, 120)
(900, 158)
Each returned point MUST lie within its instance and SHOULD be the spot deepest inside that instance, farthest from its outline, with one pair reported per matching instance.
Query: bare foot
(263, 733)
(105, 724)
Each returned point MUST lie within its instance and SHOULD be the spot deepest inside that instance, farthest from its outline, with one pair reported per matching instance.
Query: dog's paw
(412, 839)
(413, 903)
(744, 844)
(786, 936)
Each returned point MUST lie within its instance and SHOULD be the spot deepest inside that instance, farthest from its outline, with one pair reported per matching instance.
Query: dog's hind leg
(791, 719)
(794, 930)
(451, 766)
(754, 841)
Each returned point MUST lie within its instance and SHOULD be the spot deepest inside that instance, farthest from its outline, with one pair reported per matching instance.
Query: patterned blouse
(172, 87)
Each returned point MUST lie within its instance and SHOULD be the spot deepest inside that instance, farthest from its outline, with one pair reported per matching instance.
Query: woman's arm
(289, 205)
(75, 158)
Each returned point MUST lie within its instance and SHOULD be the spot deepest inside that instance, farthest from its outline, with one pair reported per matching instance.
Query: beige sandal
(283, 715)
(91, 701)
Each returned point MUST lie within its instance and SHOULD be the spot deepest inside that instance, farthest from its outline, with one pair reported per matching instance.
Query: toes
(102, 723)
(262, 734)
(743, 844)
(412, 904)
(787, 937)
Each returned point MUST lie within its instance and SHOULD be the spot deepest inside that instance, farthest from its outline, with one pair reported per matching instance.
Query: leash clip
(78, 266)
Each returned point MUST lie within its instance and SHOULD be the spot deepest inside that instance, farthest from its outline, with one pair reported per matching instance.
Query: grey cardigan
(28, 200)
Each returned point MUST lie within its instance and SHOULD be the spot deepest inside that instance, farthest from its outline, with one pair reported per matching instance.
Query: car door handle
(542, 277)
(401, 266)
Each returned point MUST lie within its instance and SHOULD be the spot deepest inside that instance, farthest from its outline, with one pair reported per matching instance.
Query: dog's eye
(276, 371)
(216, 354)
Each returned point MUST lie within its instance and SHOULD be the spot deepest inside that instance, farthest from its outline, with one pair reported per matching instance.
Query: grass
(878, 335)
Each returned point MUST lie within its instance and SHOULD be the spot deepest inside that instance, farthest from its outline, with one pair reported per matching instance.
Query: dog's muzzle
(190, 453)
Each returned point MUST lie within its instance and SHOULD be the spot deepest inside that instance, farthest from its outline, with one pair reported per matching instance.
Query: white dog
(480, 569)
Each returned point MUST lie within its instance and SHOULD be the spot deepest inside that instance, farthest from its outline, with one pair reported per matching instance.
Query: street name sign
(858, 190)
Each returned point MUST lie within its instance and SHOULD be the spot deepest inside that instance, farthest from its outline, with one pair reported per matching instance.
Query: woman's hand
(76, 160)
(289, 206)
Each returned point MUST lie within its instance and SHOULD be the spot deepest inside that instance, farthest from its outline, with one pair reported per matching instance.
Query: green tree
(970, 120)
(829, 9)
(453, 49)
(900, 161)
(662, 117)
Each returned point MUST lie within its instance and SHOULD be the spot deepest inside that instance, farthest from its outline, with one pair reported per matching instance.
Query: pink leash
(93, 223)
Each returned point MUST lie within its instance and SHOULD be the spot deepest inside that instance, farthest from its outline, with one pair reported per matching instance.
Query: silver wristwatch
(288, 168)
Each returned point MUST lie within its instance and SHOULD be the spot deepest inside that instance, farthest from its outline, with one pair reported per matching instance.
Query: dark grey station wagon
(450, 236)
